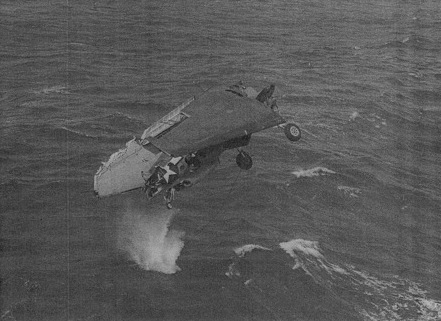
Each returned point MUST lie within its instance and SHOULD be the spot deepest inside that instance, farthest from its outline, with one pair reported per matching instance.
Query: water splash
(144, 235)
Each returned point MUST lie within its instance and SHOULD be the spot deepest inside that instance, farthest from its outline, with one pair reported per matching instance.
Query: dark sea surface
(343, 225)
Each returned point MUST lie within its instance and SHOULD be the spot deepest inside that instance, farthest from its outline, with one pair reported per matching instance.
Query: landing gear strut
(169, 197)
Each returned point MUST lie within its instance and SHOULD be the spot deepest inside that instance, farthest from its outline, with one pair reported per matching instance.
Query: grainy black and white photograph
(234, 160)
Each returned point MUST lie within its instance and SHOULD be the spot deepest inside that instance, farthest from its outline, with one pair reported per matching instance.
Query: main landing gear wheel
(244, 160)
(292, 132)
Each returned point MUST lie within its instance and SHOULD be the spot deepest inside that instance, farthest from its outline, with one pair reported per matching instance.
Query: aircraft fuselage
(186, 171)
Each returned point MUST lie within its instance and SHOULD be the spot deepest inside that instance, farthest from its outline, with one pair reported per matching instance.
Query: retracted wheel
(292, 132)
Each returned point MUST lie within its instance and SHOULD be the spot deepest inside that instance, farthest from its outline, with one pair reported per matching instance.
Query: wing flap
(170, 120)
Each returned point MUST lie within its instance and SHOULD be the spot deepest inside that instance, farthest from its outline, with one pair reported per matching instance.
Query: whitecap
(232, 271)
(392, 299)
(349, 191)
(304, 246)
(354, 115)
(241, 251)
(54, 89)
(316, 171)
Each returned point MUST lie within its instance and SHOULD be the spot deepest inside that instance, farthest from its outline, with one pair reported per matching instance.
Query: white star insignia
(168, 173)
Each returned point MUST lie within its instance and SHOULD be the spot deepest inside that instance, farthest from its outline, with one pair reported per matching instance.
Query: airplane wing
(213, 118)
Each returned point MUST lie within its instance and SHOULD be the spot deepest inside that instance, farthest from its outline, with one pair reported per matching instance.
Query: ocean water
(343, 225)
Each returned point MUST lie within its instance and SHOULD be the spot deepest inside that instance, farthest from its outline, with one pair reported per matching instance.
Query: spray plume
(145, 237)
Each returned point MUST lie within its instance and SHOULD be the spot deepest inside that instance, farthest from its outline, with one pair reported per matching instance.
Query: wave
(279, 292)
(412, 41)
(354, 116)
(349, 191)
(115, 126)
(316, 171)
(387, 297)
(58, 89)
(308, 100)
(64, 133)
(120, 120)
(427, 95)
(304, 246)
(76, 132)
(241, 251)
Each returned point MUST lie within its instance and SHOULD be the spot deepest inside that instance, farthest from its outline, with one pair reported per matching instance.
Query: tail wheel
(292, 132)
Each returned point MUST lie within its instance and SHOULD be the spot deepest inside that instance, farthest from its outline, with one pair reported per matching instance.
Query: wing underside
(212, 119)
